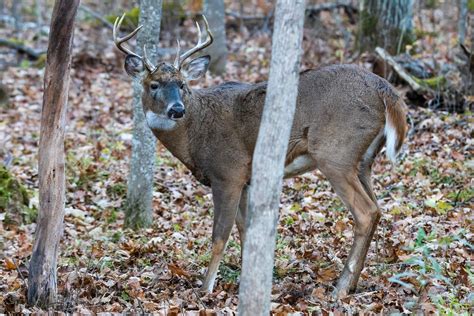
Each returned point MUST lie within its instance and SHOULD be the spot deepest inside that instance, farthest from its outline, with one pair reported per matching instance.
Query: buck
(344, 116)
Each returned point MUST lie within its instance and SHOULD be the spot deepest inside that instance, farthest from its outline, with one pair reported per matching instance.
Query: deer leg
(366, 217)
(226, 200)
(241, 218)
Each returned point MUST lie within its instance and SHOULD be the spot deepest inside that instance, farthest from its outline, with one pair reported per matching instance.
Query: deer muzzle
(176, 111)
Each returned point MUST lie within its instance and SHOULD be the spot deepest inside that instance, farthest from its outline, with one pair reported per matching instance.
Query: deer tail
(395, 127)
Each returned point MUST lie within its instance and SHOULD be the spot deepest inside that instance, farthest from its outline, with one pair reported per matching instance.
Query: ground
(421, 260)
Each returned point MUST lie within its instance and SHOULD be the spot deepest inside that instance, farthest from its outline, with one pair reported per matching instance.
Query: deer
(344, 116)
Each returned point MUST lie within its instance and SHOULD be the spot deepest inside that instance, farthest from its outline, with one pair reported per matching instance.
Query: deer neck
(178, 140)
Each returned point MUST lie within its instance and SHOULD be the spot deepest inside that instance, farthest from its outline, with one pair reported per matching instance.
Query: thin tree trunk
(42, 269)
(39, 6)
(16, 12)
(462, 23)
(139, 212)
(269, 159)
(385, 23)
(214, 10)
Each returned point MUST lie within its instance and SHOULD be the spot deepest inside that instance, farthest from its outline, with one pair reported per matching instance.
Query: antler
(199, 46)
(121, 40)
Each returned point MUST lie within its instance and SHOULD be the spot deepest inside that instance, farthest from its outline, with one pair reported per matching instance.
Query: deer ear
(133, 65)
(197, 67)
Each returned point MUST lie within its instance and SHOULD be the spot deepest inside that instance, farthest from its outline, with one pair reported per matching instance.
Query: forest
(134, 134)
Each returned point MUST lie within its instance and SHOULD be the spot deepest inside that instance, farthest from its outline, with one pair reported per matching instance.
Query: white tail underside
(390, 140)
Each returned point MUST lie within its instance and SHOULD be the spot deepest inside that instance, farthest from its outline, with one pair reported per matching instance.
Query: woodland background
(422, 259)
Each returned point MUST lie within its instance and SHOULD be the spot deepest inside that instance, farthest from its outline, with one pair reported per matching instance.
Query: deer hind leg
(359, 199)
(240, 220)
(226, 200)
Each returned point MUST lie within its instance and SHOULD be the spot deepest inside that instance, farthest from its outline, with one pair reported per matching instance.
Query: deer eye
(154, 86)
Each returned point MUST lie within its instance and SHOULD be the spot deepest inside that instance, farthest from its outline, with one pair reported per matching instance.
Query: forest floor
(421, 260)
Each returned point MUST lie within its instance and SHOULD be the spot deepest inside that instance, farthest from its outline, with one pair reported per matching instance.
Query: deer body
(344, 115)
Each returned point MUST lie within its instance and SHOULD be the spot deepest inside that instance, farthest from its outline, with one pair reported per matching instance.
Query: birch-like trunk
(269, 159)
(138, 209)
(214, 10)
(385, 23)
(42, 280)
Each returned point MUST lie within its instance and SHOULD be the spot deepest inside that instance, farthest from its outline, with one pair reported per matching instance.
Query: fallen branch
(21, 48)
(401, 72)
(331, 6)
(314, 10)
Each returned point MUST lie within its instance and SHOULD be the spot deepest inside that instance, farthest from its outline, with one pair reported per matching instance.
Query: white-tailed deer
(344, 116)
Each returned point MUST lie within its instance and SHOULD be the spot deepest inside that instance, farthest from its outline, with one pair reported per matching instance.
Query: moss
(14, 199)
(434, 83)
(419, 33)
(470, 5)
(431, 4)
(41, 61)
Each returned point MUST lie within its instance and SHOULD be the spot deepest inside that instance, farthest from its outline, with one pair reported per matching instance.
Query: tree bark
(42, 269)
(269, 159)
(214, 10)
(138, 209)
(385, 23)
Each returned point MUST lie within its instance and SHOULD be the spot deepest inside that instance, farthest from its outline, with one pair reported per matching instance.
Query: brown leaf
(176, 270)
(326, 275)
(458, 156)
(9, 264)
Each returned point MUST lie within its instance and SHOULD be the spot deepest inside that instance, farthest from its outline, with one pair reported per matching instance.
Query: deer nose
(176, 111)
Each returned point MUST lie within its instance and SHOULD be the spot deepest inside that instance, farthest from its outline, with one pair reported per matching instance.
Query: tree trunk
(214, 10)
(16, 12)
(462, 23)
(39, 6)
(138, 209)
(269, 159)
(42, 268)
(385, 23)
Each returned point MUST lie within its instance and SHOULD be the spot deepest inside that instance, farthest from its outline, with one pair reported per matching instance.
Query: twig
(21, 48)
(401, 71)
(21, 274)
(96, 15)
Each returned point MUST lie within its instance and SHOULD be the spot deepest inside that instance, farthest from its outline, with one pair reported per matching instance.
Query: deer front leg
(226, 198)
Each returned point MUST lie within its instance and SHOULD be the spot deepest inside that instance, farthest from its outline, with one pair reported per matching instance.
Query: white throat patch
(159, 122)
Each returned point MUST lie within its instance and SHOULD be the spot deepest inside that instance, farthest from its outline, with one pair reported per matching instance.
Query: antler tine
(148, 64)
(200, 45)
(199, 33)
(176, 60)
(121, 40)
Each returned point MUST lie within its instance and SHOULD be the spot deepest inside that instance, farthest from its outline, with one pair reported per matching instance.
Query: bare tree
(462, 22)
(138, 209)
(42, 269)
(16, 13)
(385, 23)
(214, 10)
(269, 159)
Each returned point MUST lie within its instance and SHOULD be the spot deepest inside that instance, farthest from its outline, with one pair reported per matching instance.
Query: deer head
(165, 86)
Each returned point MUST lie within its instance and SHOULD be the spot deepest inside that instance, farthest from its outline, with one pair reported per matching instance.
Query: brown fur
(341, 111)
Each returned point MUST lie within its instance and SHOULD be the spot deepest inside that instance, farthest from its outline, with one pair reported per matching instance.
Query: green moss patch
(14, 200)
